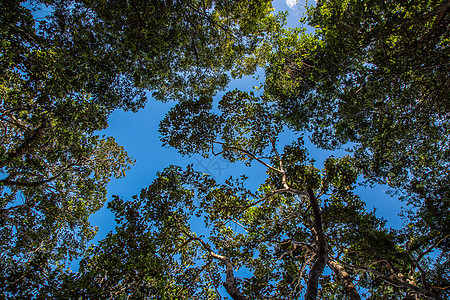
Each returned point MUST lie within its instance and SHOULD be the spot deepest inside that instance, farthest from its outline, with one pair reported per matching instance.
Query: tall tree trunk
(322, 252)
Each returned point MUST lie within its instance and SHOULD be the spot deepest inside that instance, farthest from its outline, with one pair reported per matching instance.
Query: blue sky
(138, 133)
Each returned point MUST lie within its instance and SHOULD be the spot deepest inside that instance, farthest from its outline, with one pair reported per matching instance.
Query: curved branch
(250, 155)
(283, 172)
(432, 247)
(263, 198)
(349, 287)
(394, 280)
(230, 281)
(8, 182)
(416, 261)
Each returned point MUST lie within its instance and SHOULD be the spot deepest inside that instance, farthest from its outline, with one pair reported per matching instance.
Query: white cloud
(291, 3)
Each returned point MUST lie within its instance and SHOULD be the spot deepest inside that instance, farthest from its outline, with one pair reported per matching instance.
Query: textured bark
(230, 283)
(322, 252)
(410, 294)
(347, 282)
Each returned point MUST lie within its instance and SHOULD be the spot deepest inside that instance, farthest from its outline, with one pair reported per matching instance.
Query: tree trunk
(322, 252)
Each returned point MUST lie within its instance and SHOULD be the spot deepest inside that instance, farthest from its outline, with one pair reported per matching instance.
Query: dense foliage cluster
(372, 75)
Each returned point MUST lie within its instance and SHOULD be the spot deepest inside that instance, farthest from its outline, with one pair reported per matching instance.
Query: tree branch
(26, 146)
(263, 198)
(210, 19)
(394, 280)
(8, 182)
(349, 287)
(283, 172)
(249, 155)
(230, 282)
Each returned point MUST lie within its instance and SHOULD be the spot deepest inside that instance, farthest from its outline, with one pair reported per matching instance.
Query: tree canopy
(372, 76)
(375, 75)
(66, 66)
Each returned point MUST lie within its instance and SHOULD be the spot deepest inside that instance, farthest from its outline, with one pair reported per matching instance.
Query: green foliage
(270, 234)
(148, 256)
(278, 236)
(276, 232)
(65, 67)
(375, 75)
(175, 49)
(245, 125)
(54, 168)
(372, 73)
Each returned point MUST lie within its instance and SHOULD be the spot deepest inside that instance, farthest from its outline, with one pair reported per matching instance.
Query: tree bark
(230, 283)
(322, 252)
(349, 287)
